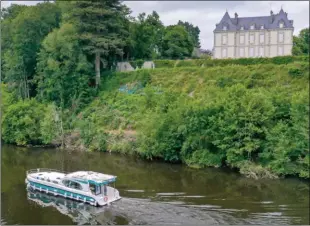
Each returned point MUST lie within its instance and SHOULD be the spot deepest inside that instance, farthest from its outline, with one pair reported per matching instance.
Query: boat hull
(58, 190)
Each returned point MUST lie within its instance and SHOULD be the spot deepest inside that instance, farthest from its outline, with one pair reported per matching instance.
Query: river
(153, 193)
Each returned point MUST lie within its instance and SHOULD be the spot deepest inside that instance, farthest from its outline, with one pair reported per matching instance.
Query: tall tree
(146, 35)
(193, 32)
(177, 42)
(101, 28)
(301, 43)
(7, 15)
(27, 30)
(63, 72)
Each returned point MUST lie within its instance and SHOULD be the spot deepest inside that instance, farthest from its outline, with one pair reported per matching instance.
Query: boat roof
(91, 177)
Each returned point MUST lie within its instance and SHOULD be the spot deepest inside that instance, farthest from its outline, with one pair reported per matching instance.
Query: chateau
(265, 36)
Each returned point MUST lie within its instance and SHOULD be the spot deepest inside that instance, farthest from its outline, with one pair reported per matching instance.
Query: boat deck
(49, 176)
(83, 176)
(90, 175)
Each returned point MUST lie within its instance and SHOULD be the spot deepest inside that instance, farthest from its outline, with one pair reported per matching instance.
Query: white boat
(86, 186)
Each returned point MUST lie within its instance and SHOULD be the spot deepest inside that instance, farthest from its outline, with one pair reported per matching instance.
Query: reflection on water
(153, 193)
(79, 212)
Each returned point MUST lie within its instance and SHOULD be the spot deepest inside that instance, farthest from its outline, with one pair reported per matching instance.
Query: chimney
(272, 16)
(236, 18)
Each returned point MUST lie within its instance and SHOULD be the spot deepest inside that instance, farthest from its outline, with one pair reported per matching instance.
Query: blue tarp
(130, 89)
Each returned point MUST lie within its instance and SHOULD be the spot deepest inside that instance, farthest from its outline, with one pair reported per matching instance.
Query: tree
(101, 29)
(301, 43)
(7, 15)
(26, 32)
(63, 72)
(12, 11)
(193, 32)
(145, 36)
(177, 42)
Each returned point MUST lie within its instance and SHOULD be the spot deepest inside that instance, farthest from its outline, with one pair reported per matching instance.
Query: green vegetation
(301, 43)
(223, 62)
(239, 116)
(248, 114)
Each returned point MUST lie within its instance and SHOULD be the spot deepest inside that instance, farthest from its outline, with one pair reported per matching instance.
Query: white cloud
(5, 4)
(205, 14)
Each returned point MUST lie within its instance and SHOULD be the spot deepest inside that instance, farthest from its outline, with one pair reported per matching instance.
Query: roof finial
(226, 10)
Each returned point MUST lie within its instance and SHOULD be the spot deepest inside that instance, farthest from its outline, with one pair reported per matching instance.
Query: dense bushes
(239, 116)
(29, 122)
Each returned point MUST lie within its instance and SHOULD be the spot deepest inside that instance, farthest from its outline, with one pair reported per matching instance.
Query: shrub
(137, 63)
(22, 122)
(295, 72)
(205, 158)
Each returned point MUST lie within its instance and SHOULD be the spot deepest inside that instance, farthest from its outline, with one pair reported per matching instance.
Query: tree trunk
(97, 62)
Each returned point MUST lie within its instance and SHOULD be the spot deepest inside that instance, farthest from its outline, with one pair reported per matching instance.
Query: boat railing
(38, 170)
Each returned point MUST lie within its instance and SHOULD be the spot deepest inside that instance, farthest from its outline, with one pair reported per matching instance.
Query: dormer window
(224, 28)
(241, 28)
(281, 25)
(252, 27)
(262, 27)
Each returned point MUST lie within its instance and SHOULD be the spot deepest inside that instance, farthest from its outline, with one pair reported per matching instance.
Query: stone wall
(125, 66)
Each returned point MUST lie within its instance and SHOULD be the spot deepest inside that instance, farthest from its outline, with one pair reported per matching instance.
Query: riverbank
(252, 118)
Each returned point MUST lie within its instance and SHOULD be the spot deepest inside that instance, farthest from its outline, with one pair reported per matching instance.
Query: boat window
(75, 185)
(72, 184)
(95, 189)
(55, 182)
(66, 183)
(48, 180)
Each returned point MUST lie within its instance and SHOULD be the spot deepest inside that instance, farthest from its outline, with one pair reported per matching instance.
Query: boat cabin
(95, 182)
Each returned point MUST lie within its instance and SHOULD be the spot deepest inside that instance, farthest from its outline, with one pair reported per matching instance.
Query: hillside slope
(253, 118)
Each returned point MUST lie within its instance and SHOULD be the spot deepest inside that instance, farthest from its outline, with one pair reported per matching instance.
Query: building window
(224, 53)
(280, 51)
(281, 37)
(281, 25)
(224, 39)
(251, 38)
(241, 39)
(241, 52)
(252, 27)
(224, 28)
(242, 28)
(261, 38)
(251, 52)
(262, 27)
(261, 51)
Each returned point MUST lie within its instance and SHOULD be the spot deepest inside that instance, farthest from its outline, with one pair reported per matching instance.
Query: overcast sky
(205, 14)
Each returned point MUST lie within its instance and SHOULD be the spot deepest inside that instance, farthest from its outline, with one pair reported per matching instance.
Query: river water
(153, 193)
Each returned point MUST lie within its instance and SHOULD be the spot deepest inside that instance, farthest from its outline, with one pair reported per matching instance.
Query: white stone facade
(256, 41)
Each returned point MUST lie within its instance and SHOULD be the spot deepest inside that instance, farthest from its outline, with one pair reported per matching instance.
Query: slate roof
(270, 22)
